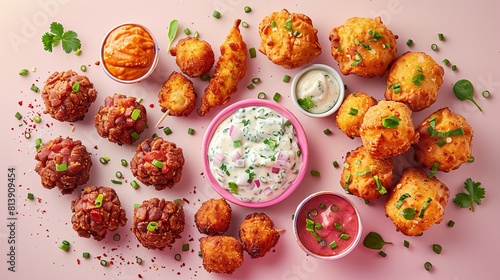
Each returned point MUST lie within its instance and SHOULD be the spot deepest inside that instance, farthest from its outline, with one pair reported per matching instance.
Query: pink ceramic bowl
(225, 113)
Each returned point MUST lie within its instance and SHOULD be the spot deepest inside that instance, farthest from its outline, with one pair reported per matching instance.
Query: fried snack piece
(177, 95)
(229, 71)
(436, 145)
(193, 56)
(288, 39)
(213, 217)
(257, 234)
(414, 79)
(387, 129)
(363, 46)
(350, 114)
(361, 173)
(221, 254)
(416, 202)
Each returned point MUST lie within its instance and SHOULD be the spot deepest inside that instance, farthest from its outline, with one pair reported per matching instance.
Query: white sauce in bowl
(317, 90)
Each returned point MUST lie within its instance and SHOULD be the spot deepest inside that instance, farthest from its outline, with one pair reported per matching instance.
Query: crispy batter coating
(194, 57)
(221, 254)
(448, 151)
(177, 95)
(350, 114)
(363, 46)
(213, 217)
(289, 39)
(415, 79)
(360, 169)
(258, 235)
(229, 71)
(422, 190)
(384, 142)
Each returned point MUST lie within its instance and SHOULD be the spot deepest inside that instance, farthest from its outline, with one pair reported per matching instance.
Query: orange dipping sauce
(129, 52)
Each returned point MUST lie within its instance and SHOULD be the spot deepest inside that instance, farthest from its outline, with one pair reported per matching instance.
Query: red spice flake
(97, 62)
(151, 105)
(78, 261)
(139, 275)
(185, 200)
(20, 103)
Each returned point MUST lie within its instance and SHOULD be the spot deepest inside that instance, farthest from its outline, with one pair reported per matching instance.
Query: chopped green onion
(424, 207)
(134, 184)
(196, 34)
(391, 122)
(154, 135)
(451, 223)
(62, 167)
(441, 37)
(296, 33)
(83, 68)
(273, 24)
(261, 95)
(327, 131)
(253, 52)
(134, 135)
(382, 253)
(117, 237)
(434, 47)
(315, 173)
(347, 182)
(18, 116)
(244, 24)
(428, 266)
(441, 142)
(200, 254)
(286, 78)
(157, 163)
(333, 245)
(135, 114)
(417, 79)
(437, 248)
(137, 205)
(31, 196)
(34, 88)
(233, 188)
(401, 199)
(397, 90)
(185, 247)
(335, 164)
(446, 61)
(471, 159)
(86, 255)
(116, 182)
(363, 172)
(251, 86)
(37, 119)
(313, 212)
(453, 68)
(76, 87)
(409, 42)
(177, 257)
(247, 9)
(24, 72)
(104, 262)
(138, 260)
(98, 200)
(237, 143)
(118, 174)
(486, 93)
(380, 188)
(338, 227)
(178, 200)
(190, 131)
(205, 77)
(406, 243)
(78, 52)
(408, 213)
(357, 59)
(353, 111)
(187, 31)
(64, 245)
(167, 130)
(434, 169)
(277, 97)
(305, 103)
(216, 14)
(124, 162)
(152, 226)
(255, 80)
(27, 135)
(344, 236)
(322, 206)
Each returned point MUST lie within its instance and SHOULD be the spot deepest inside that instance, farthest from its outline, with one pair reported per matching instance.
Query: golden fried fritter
(387, 129)
(194, 57)
(177, 95)
(416, 202)
(450, 144)
(363, 46)
(213, 217)
(289, 39)
(221, 254)
(361, 173)
(415, 79)
(258, 235)
(350, 114)
(229, 71)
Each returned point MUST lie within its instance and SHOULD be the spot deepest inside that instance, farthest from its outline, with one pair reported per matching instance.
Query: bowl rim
(226, 112)
(335, 75)
(151, 68)
(348, 249)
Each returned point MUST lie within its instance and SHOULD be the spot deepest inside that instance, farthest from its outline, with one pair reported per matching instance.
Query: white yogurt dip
(317, 91)
(254, 154)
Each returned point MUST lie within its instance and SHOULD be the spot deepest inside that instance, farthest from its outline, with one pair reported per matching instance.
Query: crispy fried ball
(416, 202)
(415, 79)
(363, 46)
(360, 172)
(387, 129)
(257, 234)
(213, 217)
(158, 223)
(448, 151)
(194, 57)
(221, 254)
(350, 114)
(289, 39)
(177, 95)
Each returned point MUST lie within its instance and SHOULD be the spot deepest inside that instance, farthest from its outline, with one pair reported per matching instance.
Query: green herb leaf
(172, 32)
(380, 188)
(391, 122)
(408, 213)
(473, 195)
(70, 42)
(417, 79)
(305, 103)
(233, 187)
(357, 59)
(401, 200)
(271, 142)
(57, 29)
(69, 39)
(374, 241)
(464, 90)
(424, 207)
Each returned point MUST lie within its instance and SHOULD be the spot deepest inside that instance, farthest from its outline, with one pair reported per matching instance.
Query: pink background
(469, 249)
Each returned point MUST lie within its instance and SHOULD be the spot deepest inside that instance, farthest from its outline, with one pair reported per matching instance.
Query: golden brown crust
(454, 151)
(350, 124)
(194, 57)
(258, 235)
(177, 95)
(382, 142)
(360, 169)
(229, 71)
(221, 254)
(213, 217)
(366, 40)
(416, 183)
(292, 42)
(418, 77)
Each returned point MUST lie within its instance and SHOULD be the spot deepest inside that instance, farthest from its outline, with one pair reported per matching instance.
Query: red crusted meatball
(122, 119)
(63, 163)
(157, 162)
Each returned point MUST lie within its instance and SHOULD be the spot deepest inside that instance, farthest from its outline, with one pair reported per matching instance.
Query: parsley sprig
(473, 195)
(68, 39)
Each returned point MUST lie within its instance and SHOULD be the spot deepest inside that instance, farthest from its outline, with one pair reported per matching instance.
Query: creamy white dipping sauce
(254, 154)
(317, 91)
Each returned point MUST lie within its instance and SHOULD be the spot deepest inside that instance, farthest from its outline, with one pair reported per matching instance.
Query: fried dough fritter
(289, 39)
(177, 95)
(448, 151)
(213, 217)
(194, 57)
(415, 79)
(360, 169)
(221, 254)
(363, 46)
(350, 114)
(229, 71)
(395, 137)
(423, 206)
(257, 234)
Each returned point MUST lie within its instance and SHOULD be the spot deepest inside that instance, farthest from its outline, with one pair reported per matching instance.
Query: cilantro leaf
(474, 195)
(70, 42)
(68, 39)
(56, 29)
(47, 40)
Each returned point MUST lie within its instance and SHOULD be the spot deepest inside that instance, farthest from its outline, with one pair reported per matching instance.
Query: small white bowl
(336, 102)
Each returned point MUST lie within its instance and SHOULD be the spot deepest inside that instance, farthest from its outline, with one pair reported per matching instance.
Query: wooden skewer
(162, 118)
(280, 230)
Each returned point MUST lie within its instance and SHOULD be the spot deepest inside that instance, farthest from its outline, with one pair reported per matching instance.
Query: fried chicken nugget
(416, 202)
(213, 217)
(257, 234)
(221, 254)
(350, 114)
(450, 144)
(414, 79)
(229, 71)
(177, 95)
(194, 57)
(363, 46)
(289, 39)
